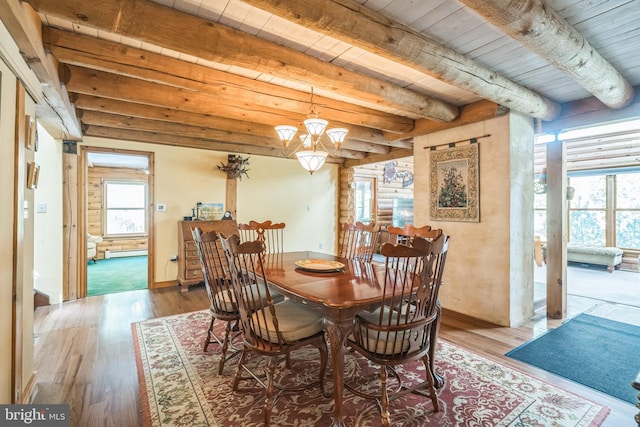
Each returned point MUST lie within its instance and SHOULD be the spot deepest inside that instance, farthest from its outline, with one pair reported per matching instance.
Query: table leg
(433, 337)
(338, 332)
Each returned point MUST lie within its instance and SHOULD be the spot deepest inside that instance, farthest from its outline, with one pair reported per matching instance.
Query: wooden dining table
(340, 294)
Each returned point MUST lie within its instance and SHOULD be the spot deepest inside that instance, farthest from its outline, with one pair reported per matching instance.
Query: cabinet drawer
(193, 274)
(191, 254)
(190, 246)
(193, 263)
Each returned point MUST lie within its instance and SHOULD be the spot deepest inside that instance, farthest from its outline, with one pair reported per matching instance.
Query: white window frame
(106, 207)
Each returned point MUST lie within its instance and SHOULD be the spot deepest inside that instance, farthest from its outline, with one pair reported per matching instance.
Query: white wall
(277, 189)
(48, 249)
(489, 271)
(281, 191)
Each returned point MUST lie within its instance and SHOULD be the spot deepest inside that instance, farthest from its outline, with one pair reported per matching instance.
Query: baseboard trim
(454, 315)
(160, 285)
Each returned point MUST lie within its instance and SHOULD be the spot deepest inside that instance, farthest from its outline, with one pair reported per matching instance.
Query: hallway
(586, 283)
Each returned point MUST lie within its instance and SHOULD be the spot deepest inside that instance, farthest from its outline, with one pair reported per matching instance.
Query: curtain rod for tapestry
(453, 144)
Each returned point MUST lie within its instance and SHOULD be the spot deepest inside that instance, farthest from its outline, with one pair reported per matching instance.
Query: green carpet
(116, 275)
(600, 353)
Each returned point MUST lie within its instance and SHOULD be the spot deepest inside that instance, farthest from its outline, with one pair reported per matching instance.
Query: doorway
(365, 199)
(118, 221)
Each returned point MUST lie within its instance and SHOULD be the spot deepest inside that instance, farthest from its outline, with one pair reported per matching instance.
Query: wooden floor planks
(84, 352)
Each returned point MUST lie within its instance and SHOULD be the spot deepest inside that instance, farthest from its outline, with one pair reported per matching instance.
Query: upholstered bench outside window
(609, 256)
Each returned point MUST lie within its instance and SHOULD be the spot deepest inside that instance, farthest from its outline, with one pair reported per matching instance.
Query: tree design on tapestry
(455, 184)
(453, 190)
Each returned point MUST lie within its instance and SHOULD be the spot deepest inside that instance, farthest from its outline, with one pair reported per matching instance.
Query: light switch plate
(161, 207)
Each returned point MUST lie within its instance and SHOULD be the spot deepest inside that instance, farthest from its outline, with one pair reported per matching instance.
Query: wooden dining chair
(268, 233)
(217, 281)
(270, 329)
(359, 241)
(406, 233)
(400, 330)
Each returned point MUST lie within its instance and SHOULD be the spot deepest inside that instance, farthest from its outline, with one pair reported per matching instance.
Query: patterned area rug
(180, 386)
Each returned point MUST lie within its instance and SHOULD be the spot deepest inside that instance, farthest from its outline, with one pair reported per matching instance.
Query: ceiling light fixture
(311, 152)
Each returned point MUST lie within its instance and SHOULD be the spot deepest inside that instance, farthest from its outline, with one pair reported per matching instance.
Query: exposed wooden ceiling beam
(114, 106)
(185, 33)
(185, 142)
(111, 57)
(350, 149)
(56, 113)
(471, 113)
(353, 23)
(108, 85)
(178, 141)
(589, 112)
(545, 32)
(394, 154)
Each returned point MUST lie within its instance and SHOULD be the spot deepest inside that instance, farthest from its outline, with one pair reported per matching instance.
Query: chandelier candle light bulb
(311, 152)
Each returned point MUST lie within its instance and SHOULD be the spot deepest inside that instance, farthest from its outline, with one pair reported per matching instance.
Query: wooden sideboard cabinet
(189, 269)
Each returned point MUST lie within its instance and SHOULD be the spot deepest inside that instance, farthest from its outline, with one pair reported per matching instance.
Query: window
(605, 210)
(587, 210)
(627, 210)
(125, 212)
(365, 203)
(540, 214)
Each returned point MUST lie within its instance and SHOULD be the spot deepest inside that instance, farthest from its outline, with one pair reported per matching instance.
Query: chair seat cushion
(295, 321)
(227, 300)
(382, 342)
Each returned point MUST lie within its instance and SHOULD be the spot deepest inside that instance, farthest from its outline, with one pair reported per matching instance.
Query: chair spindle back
(359, 241)
(269, 234)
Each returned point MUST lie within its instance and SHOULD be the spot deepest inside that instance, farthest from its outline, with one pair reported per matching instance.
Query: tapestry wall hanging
(455, 184)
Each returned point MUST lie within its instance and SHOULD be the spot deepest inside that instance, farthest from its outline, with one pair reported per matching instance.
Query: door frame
(373, 181)
(83, 168)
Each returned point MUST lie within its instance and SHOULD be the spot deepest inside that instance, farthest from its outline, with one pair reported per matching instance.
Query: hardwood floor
(84, 352)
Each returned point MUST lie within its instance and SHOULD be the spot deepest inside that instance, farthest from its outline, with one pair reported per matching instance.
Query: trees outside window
(587, 210)
(540, 214)
(627, 210)
(605, 210)
(125, 208)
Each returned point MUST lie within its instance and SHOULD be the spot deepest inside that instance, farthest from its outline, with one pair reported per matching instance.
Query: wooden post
(556, 231)
(70, 221)
(231, 199)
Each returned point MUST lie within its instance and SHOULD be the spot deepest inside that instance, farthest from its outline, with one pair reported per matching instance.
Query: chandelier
(311, 151)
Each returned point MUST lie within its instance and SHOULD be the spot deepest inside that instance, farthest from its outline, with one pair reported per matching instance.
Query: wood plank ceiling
(220, 74)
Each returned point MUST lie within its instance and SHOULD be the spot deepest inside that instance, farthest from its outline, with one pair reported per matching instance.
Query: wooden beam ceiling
(185, 33)
(56, 114)
(229, 88)
(543, 31)
(353, 23)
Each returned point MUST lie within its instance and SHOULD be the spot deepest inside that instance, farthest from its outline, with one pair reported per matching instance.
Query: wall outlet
(161, 207)
(174, 258)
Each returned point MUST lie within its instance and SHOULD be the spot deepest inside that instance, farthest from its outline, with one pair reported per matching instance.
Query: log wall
(386, 192)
